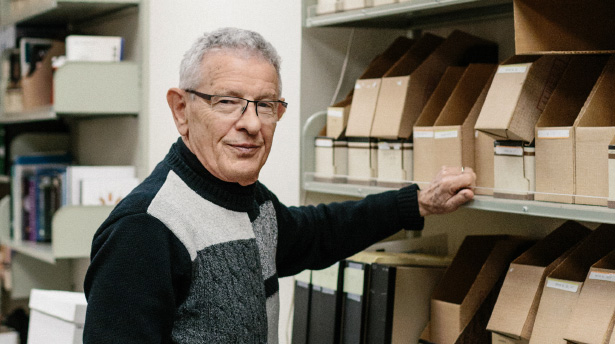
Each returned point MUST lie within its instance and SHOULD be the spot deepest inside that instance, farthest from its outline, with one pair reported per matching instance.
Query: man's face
(234, 150)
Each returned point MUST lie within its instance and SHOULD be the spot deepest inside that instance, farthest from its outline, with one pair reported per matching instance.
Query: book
(31, 52)
(76, 174)
(48, 188)
(94, 48)
(22, 171)
(106, 191)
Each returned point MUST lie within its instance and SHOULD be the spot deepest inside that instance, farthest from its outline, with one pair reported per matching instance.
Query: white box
(331, 163)
(75, 175)
(8, 335)
(394, 163)
(56, 317)
(362, 160)
(94, 48)
(514, 170)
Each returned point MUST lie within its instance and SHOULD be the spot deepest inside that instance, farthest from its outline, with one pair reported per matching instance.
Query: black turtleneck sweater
(189, 258)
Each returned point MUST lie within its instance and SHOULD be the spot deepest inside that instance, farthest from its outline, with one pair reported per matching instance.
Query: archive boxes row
(332, 6)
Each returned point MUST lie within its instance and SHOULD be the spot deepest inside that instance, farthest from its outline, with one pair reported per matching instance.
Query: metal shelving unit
(412, 14)
(577, 212)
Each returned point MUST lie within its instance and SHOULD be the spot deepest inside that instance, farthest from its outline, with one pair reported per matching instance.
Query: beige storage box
(384, 2)
(394, 163)
(454, 128)
(394, 100)
(515, 309)
(331, 160)
(348, 5)
(337, 117)
(518, 94)
(514, 169)
(611, 163)
(56, 317)
(592, 315)
(474, 271)
(547, 26)
(595, 127)
(328, 6)
(555, 129)
(362, 160)
(367, 88)
(483, 163)
(563, 286)
(424, 168)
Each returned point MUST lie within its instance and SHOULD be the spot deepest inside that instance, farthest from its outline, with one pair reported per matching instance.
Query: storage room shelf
(415, 13)
(577, 212)
(73, 230)
(54, 12)
(88, 89)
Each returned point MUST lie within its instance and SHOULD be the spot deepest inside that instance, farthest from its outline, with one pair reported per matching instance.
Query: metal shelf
(413, 14)
(588, 213)
(88, 89)
(58, 12)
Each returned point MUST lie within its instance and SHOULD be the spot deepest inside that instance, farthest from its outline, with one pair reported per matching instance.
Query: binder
(325, 305)
(301, 313)
(354, 301)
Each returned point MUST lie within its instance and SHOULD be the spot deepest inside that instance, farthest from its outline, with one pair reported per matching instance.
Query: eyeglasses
(234, 107)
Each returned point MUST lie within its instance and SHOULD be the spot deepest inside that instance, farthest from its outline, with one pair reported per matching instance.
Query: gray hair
(225, 38)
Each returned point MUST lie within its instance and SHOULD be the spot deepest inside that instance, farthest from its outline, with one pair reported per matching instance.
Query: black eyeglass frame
(209, 96)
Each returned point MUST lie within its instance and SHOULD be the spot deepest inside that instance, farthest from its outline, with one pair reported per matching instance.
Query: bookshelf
(99, 103)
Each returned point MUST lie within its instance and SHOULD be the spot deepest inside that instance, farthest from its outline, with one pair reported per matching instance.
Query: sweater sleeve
(138, 274)
(314, 237)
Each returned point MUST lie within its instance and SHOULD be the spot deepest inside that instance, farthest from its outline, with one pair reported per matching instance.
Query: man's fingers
(460, 198)
(461, 181)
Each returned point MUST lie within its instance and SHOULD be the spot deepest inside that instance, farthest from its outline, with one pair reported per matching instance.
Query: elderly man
(194, 253)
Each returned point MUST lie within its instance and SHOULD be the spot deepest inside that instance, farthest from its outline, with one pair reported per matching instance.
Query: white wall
(172, 28)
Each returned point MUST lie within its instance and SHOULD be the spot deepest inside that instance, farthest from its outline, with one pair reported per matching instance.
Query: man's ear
(177, 103)
(281, 110)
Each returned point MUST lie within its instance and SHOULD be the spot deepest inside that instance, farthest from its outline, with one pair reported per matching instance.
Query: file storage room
(441, 172)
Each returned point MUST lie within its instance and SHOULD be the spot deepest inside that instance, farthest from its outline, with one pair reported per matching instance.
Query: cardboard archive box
(387, 296)
(362, 160)
(37, 88)
(515, 310)
(424, 168)
(518, 94)
(348, 5)
(454, 128)
(394, 163)
(483, 163)
(56, 316)
(384, 2)
(555, 129)
(367, 87)
(594, 129)
(514, 170)
(394, 99)
(458, 49)
(476, 268)
(331, 160)
(592, 319)
(564, 284)
(337, 117)
(327, 6)
(611, 202)
(553, 26)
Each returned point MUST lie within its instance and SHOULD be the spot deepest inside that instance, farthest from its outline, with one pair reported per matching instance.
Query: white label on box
(554, 134)
(475, 133)
(508, 150)
(572, 287)
(323, 143)
(512, 69)
(335, 113)
(423, 134)
(446, 134)
(603, 276)
(353, 281)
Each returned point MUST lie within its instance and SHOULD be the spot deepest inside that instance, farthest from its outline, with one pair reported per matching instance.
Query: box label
(423, 134)
(572, 287)
(512, 69)
(446, 134)
(508, 150)
(323, 143)
(335, 113)
(554, 134)
(353, 281)
(389, 146)
(602, 276)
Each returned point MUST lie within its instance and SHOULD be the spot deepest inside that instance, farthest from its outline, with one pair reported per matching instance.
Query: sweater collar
(232, 196)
